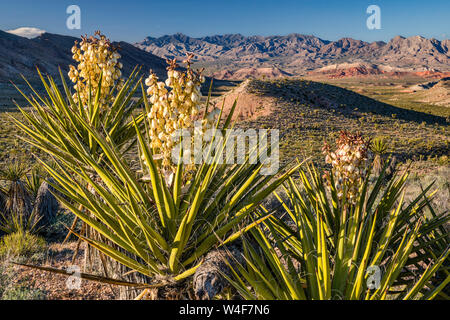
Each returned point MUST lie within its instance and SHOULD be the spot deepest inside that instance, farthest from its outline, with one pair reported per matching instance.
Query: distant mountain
(19, 55)
(343, 70)
(231, 46)
(296, 53)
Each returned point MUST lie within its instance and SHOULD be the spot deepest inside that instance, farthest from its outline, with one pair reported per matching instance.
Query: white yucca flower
(95, 56)
(349, 163)
(175, 105)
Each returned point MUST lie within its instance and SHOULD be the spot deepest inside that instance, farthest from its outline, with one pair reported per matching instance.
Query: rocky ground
(53, 286)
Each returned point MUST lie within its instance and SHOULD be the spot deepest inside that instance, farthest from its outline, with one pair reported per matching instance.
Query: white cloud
(27, 32)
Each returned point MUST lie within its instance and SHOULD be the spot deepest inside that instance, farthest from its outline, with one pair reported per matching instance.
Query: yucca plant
(54, 123)
(347, 243)
(157, 224)
(16, 207)
(101, 99)
(168, 227)
(53, 127)
(34, 181)
(379, 147)
(336, 254)
(12, 223)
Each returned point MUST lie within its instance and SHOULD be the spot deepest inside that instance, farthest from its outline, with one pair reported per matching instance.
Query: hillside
(20, 55)
(316, 111)
(435, 92)
(269, 72)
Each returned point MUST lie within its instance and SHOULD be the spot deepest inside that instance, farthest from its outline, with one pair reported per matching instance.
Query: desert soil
(54, 285)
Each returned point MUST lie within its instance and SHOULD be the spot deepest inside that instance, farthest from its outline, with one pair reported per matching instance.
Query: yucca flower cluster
(349, 163)
(96, 56)
(175, 105)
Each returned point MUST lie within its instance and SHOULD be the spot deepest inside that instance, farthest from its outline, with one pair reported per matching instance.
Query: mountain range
(297, 54)
(235, 56)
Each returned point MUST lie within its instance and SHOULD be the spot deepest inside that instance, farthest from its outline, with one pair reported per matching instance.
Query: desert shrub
(441, 198)
(22, 292)
(22, 246)
(56, 229)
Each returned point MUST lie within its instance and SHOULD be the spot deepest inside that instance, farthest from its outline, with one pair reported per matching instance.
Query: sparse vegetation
(22, 246)
(22, 292)
(321, 116)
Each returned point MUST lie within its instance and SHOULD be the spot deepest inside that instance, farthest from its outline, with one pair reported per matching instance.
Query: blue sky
(133, 20)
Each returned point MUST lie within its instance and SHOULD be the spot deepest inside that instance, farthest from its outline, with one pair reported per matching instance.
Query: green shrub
(22, 292)
(56, 230)
(22, 246)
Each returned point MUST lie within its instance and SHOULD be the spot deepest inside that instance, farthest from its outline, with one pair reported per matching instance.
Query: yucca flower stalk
(334, 252)
(97, 59)
(349, 164)
(176, 105)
